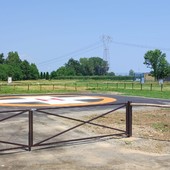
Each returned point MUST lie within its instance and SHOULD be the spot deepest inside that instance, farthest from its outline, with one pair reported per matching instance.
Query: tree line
(13, 66)
(94, 66)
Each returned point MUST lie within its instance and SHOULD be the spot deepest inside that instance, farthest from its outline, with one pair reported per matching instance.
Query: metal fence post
(30, 127)
(128, 119)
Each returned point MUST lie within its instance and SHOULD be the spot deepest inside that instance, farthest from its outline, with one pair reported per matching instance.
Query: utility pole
(106, 39)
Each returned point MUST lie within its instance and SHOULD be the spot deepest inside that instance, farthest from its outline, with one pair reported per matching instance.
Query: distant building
(138, 76)
(148, 77)
(142, 77)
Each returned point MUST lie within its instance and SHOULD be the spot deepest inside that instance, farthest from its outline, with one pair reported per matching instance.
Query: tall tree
(2, 58)
(34, 72)
(4, 69)
(100, 66)
(13, 59)
(94, 66)
(86, 66)
(41, 75)
(74, 66)
(131, 72)
(156, 61)
(47, 76)
(25, 67)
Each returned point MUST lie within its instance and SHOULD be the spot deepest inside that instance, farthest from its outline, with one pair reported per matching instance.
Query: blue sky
(50, 32)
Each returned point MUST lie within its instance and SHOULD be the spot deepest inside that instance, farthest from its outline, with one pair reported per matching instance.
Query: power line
(76, 52)
(140, 46)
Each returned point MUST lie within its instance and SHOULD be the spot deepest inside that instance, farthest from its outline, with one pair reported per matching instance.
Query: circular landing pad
(53, 100)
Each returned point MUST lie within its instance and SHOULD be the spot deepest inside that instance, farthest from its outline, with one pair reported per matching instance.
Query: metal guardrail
(30, 113)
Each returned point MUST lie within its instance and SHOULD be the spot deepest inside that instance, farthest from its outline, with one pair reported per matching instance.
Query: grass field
(150, 89)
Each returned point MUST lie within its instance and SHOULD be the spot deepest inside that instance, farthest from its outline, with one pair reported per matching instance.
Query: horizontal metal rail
(81, 106)
(79, 139)
(74, 127)
(151, 105)
(13, 111)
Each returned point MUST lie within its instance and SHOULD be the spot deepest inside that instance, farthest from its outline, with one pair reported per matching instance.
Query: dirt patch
(151, 129)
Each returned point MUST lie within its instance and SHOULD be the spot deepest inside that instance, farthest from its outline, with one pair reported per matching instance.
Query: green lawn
(151, 89)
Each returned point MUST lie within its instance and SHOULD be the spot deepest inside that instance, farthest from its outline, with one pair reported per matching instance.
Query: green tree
(34, 72)
(15, 72)
(4, 69)
(86, 66)
(94, 66)
(14, 64)
(99, 66)
(53, 75)
(73, 67)
(16, 68)
(41, 75)
(26, 70)
(131, 73)
(110, 74)
(156, 61)
(2, 58)
(65, 71)
(44, 75)
(47, 76)
(13, 59)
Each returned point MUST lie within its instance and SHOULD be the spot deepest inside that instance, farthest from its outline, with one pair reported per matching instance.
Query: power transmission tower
(106, 39)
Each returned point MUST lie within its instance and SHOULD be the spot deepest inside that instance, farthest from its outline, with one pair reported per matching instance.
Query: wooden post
(75, 86)
(40, 87)
(87, 86)
(151, 87)
(161, 87)
(14, 87)
(124, 85)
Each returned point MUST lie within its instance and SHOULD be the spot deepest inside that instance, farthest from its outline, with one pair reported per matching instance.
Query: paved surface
(70, 100)
(101, 154)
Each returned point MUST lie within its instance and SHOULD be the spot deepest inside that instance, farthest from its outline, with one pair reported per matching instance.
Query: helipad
(53, 100)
